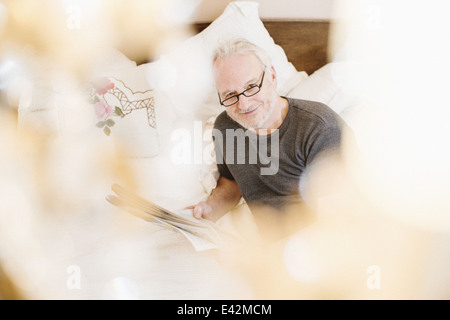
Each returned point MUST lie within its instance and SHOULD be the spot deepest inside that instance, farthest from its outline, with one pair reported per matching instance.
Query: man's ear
(273, 75)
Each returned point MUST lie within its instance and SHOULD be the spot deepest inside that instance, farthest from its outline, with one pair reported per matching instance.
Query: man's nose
(244, 102)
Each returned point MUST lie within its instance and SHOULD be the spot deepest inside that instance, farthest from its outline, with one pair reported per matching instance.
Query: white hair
(236, 46)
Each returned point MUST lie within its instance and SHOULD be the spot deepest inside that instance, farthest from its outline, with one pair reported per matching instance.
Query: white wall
(208, 10)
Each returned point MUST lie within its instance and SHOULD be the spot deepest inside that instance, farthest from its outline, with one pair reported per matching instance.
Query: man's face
(238, 73)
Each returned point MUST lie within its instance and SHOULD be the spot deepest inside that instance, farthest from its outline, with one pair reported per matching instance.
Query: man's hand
(222, 199)
(202, 210)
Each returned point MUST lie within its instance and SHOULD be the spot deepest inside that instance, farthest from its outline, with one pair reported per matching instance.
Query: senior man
(264, 142)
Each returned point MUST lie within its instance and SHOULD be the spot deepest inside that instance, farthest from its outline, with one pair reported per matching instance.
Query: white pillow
(336, 84)
(185, 73)
(184, 171)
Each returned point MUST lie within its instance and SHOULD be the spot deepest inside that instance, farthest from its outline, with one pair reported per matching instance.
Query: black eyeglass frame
(243, 93)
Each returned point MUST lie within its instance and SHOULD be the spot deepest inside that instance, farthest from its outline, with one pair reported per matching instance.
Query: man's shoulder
(308, 105)
(313, 109)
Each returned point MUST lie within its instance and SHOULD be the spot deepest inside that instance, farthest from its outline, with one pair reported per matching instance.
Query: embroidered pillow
(124, 106)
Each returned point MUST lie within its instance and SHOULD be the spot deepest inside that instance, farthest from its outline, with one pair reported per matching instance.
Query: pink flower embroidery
(103, 85)
(102, 110)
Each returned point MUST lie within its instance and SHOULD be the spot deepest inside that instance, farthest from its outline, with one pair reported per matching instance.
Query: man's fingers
(198, 211)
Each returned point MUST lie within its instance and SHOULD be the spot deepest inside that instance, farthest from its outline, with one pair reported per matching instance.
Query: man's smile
(249, 111)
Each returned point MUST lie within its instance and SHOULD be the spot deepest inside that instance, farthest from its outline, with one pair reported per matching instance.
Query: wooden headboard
(304, 41)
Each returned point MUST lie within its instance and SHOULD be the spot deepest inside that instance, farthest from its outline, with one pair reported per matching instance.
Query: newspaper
(203, 234)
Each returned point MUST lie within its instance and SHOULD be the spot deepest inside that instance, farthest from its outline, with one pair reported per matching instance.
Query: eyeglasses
(254, 89)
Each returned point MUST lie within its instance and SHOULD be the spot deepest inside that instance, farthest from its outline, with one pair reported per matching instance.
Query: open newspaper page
(202, 234)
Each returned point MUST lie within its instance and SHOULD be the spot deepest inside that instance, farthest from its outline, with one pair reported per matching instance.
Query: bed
(161, 145)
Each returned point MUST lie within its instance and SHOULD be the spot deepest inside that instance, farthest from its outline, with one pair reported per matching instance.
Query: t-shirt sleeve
(224, 172)
(326, 141)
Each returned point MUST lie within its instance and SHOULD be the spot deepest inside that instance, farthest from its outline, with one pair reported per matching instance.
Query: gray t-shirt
(268, 168)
